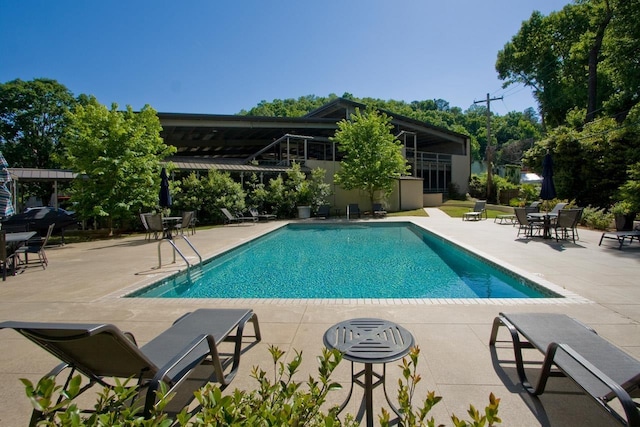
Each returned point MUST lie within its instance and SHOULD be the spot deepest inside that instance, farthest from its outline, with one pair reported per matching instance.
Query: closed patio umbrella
(6, 201)
(548, 190)
(165, 195)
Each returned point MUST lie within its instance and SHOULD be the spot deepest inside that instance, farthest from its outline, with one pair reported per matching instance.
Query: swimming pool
(376, 260)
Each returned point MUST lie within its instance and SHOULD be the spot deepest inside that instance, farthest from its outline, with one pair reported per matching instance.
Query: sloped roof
(239, 137)
(33, 174)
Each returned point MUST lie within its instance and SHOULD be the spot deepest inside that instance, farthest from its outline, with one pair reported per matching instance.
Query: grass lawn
(457, 211)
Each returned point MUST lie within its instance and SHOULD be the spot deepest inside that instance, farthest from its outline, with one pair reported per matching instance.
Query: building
(267, 146)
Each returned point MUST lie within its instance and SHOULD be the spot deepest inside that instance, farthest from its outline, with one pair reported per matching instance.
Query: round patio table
(369, 341)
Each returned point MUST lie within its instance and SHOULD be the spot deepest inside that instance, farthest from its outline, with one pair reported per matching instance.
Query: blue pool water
(383, 260)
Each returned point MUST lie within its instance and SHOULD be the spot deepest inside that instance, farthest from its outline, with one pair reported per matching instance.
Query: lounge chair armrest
(629, 406)
(180, 356)
(186, 351)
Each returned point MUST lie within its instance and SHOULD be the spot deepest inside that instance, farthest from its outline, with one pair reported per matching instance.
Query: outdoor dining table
(545, 218)
(369, 341)
(170, 222)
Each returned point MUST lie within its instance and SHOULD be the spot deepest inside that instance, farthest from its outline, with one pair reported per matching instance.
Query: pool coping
(566, 297)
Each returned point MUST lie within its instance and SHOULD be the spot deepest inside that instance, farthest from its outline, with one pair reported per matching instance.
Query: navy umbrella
(548, 190)
(165, 195)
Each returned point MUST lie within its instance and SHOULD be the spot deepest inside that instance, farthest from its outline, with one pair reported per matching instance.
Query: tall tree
(119, 153)
(372, 154)
(579, 57)
(32, 119)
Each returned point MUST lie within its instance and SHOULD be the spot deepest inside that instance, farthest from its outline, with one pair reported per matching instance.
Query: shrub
(478, 186)
(276, 402)
(596, 218)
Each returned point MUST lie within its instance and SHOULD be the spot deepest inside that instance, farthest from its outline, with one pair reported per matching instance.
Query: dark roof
(238, 137)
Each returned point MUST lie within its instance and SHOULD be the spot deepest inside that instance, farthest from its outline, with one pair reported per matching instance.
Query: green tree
(219, 190)
(372, 155)
(118, 153)
(581, 56)
(32, 119)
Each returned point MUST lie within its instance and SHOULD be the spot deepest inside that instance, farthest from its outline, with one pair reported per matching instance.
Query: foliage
(277, 402)
(578, 56)
(590, 164)
(501, 184)
(630, 190)
(188, 193)
(281, 401)
(113, 407)
(623, 208)
(372, 155)
(32, 120)
(282, 195)
(478, 186)
(454, 193)
(118, 154)
(219, 190)
(596, 218)
(413, 417)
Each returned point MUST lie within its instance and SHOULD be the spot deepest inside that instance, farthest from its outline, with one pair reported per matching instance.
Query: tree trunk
(594, 54)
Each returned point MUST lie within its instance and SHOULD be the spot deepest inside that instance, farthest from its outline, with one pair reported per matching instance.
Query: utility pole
(489, 149)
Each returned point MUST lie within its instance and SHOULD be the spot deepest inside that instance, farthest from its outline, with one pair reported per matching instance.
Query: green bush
(280, 401)
(596, 218)
(478, 186)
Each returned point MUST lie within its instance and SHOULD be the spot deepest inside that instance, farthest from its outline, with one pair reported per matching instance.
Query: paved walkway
(84, 282)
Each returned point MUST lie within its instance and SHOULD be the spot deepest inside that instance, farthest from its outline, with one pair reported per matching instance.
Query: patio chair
(102, 352)
(353, 209)
(230, 218)
(378, 210)
(34, 248)
(525, 224)
(254, 213)
(156, 226)
(600, 368)
(324, 211)
(185, 223)
(143, 220)
(479, 209)
(566, 222)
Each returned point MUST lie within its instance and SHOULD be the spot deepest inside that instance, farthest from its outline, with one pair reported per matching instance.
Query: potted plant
(304, 199)
(624, 213)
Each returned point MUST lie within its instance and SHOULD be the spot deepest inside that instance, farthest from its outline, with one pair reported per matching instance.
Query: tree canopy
(32, 120)
(372, 155)
(584, 56)
(118, 153)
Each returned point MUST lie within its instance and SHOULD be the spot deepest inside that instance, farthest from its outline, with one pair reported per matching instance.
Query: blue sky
(220, 57)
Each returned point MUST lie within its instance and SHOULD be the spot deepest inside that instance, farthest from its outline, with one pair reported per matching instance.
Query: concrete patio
(85, 281)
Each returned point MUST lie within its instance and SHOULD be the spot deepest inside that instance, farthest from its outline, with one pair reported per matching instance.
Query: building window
(435, 170)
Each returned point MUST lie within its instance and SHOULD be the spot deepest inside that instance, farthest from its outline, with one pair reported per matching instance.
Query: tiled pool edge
(567, 297)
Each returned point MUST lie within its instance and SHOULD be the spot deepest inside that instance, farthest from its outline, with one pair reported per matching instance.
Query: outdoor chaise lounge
(621, 236)
(236, 218)
(102, 351)
(378, 210)
(479, 209)
(254, 213)
(352, 210)
(601, 369)
(323, 211)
